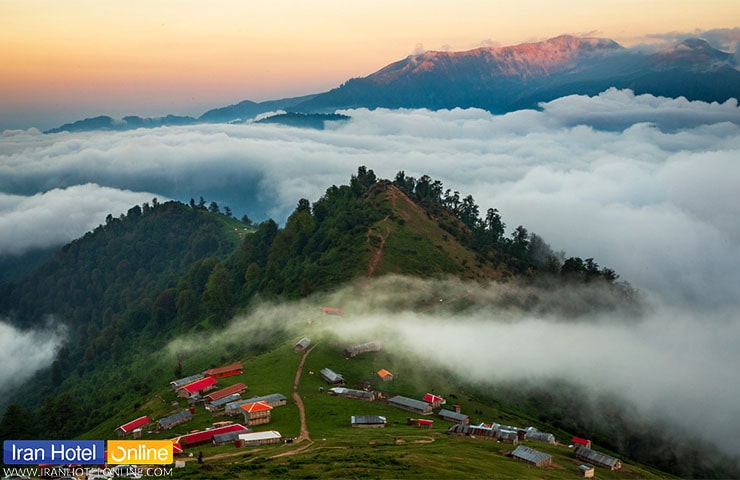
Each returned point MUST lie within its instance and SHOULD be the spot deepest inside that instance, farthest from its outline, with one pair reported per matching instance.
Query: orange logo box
(140, 452)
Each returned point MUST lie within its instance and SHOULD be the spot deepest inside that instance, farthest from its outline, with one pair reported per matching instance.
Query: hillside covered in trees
(127, 288)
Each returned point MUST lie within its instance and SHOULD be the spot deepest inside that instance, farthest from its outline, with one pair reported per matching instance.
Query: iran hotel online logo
(87, 452)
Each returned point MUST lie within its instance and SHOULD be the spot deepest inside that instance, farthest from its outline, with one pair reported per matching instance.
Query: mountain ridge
(498, 79)
(117, 366)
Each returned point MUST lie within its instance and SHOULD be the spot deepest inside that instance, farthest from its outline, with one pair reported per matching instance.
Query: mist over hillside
(513, 340)
(639, 182)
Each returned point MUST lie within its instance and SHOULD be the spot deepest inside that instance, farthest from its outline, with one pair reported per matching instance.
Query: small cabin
(301, 345)
(385, 375)
(331, 377)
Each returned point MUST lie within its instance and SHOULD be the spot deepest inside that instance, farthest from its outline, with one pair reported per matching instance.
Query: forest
(164, 269)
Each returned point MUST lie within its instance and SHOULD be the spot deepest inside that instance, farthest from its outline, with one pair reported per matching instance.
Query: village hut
(597, 458)
(301, 344)
(254, 439)
(331, 376)
(257, 413)
(531, 456)
(416, 406)
(367, 421)
(353, 350)
(131, 426)
(385, 375)
(226, 371)
(451, 416)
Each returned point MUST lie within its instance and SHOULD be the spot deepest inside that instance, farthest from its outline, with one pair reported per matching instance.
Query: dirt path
(301, 409)
(378, 254)
(304, 435)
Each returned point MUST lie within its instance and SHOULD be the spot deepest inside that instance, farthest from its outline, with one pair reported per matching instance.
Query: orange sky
(150, 57)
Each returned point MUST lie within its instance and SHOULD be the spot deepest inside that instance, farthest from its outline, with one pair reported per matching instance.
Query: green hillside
(335, 450)
(172, 289)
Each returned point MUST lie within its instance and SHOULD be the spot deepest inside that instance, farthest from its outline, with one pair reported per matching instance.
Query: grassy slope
(339, 451)
(411, 242)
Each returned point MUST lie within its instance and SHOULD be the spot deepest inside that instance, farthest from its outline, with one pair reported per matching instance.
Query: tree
(494, 225)
(213, 207)
(468, 211)
(303, 206)
(16, 423)
(519, 242)
(539, 250)
(216, 296)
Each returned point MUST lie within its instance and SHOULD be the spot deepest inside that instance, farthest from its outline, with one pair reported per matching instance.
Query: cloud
(23, 353)
(676, 365)
(642, 184)
(58, 216)
(725, 39)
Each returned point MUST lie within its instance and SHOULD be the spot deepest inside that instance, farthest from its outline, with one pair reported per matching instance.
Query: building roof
(454, 416)
(199, 385)
(410, 403)
(367, 420)
(534, 434)
(226, 437)
(181, 382)
(174, 419)
(432, 398)
(332, 311)
(207, 435)
(256, 407)
(477, 430)
(530, 454)
(272, 398)
(134, 424)
(351, 392)
(225, 369)
(225, 392)
(580, 441)
(257, 436)
(303, 342)
(373, 346)
(226, 400)
(424, 421)
(383, 373)
(596, 457)
(331, 375)
(506, 434)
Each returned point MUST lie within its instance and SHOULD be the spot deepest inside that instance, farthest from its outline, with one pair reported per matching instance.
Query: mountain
(500, 80)
(247, 109)
(174, 274)
(172, 268)
(316, 121)
(105, 122)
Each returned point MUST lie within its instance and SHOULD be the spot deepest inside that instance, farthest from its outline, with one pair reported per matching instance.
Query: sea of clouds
(645, 185)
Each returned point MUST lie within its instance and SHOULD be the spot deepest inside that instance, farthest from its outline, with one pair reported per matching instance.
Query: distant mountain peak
(499, 79)
(526, 60)
(695, 54)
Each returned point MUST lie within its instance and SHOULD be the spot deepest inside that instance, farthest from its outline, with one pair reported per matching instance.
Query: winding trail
(297, 398)
(304, 435)
(378, 254)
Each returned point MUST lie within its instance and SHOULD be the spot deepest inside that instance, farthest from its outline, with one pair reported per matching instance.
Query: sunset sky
(65, 60)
